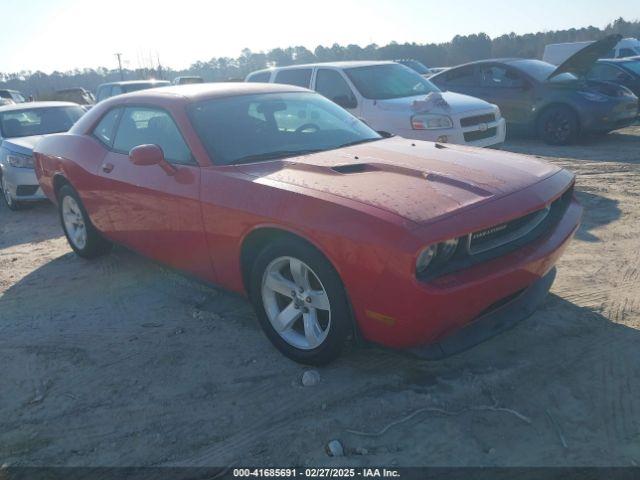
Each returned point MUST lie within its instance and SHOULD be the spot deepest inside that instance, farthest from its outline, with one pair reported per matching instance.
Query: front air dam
(491, 323)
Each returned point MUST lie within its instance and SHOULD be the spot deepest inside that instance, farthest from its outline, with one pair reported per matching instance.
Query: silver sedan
(21, 127)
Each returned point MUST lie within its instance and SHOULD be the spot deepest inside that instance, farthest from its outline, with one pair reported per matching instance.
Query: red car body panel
(370, 221)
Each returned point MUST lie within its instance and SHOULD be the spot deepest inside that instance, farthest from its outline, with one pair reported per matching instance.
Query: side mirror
(345, 101)
(145, 155)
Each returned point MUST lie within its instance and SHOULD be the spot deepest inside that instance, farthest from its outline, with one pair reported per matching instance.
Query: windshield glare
(38, 121)
(633, 66)
(251, 128)
(541, 70)
(381, 82)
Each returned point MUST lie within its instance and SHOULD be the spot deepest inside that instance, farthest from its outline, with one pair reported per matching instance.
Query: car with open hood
(333, 231)
(555, 103)
(394, 99)
(22, 126)
(623, 71)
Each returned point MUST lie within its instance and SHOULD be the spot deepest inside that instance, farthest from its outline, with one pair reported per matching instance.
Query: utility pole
(120, 65)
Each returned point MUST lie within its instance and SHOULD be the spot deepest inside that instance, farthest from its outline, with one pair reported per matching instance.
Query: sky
(62, 35)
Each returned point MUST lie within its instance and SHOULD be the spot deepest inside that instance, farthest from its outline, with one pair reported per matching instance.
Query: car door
(331, 84)
(154, 210)
(509, 89)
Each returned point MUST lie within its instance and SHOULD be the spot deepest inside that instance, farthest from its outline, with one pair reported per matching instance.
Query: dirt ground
(123, 362)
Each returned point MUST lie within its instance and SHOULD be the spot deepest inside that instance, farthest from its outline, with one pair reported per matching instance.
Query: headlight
(20, 161)
(438, 254)
(593, 96)
(430, 121)
(425, 258)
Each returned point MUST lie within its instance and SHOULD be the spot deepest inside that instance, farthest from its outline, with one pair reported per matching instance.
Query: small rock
(310, 378)
(492, 451)
(361, 451)
(323, 406)
(334, 449)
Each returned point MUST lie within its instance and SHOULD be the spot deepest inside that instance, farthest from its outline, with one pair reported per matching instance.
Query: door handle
(107, 167)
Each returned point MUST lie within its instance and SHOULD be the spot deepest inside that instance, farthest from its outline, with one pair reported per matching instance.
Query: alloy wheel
(74, 222)
(296, 303)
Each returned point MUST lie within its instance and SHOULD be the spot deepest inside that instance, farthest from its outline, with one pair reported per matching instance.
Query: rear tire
(300, 302)
(558, 126)
(82, 236)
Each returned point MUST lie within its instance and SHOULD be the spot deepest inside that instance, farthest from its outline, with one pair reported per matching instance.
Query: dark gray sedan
(555, 103)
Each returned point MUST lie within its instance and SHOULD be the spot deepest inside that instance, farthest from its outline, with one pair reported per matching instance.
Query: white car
(394, 99)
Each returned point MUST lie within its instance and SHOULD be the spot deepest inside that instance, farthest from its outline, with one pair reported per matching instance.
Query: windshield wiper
(358, 142)
(275, 155)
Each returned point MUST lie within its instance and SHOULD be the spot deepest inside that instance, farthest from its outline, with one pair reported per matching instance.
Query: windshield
(416, 66)
(390, 80)
(633, 66)
(541, 70)
(38, 121)
(252, 128)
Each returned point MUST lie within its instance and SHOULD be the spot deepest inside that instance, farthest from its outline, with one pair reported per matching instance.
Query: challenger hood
(22, 145)
(420, 181)
(580, 62)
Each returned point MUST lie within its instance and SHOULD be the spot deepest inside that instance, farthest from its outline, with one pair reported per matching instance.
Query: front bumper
(456, 135)
(408, 313)
(610, 116)
(492, 323)
(23, 184)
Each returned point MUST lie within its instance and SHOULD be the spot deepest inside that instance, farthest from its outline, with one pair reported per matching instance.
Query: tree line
(461, 49)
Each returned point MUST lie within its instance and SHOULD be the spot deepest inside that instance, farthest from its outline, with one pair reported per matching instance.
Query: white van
(392, 98)
(556, 53)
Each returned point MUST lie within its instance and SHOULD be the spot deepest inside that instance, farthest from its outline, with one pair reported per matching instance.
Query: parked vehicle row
(289, 189)
(390, 98)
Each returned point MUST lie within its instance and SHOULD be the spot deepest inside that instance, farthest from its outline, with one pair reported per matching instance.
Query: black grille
(475, 120)
(499, 234)
(463, 258)
(479, 134)
(26, 190)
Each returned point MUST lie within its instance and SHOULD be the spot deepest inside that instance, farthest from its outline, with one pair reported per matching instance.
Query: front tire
(82, 236)
(300, 302)
(558, 126)
(11, 202)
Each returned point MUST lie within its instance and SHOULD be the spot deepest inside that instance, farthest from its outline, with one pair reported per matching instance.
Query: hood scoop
(354, 168)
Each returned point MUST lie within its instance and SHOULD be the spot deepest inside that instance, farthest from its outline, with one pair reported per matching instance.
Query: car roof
(33, 105)
(343, 64)
(206, 91)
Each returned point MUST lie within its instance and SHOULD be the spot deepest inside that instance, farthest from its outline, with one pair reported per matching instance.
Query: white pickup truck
(392, 98)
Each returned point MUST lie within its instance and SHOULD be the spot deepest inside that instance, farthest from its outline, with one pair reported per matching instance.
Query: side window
(259, 77)
(300, 77)
(103, 92)
(462, 77)
(105, 130)
(331, 84)
(626, 52)
(496, 76)
(140, 125)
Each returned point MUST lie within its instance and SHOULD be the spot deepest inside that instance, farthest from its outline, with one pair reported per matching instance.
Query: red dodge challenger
(333, 232)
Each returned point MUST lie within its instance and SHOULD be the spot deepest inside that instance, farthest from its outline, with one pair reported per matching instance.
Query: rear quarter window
(262, 77)
(300, 77)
